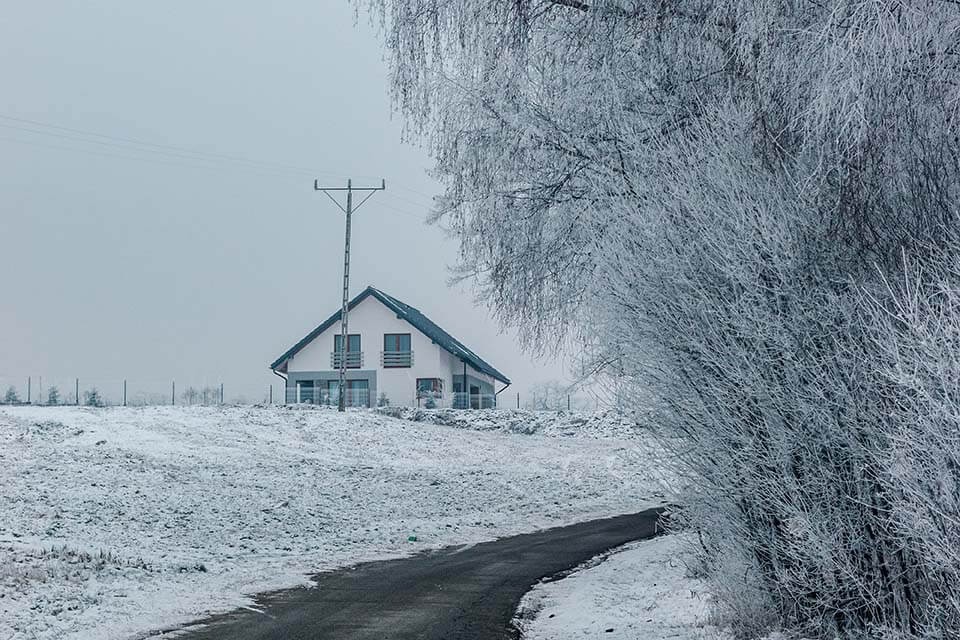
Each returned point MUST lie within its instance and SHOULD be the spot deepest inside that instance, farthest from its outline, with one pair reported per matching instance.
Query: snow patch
(640, 590)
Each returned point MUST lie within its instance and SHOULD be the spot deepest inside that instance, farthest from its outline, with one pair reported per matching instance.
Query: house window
(396, 350)
(305, 391)
(353, 342)
(475, 399)
(354, 355)
(429, 386)
(429, 391)
(357, 393)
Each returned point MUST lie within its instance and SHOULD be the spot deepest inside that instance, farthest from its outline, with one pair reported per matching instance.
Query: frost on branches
(721, 200)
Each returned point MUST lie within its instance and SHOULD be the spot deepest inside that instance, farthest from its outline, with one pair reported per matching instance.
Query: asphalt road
(457, 593)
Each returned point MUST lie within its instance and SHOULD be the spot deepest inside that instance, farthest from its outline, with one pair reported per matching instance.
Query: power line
(172, 153)
(399, 209)
(154, 160)
(171, 161)
(414, 191)
(159, 152)
(155, 146)
(413, 202)
(407, 189)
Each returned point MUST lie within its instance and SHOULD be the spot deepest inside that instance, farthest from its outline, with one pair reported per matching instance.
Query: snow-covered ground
(640, 590)
(575, 424)
(116, 522)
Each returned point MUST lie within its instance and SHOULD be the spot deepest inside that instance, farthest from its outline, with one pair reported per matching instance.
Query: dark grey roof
(412, 315)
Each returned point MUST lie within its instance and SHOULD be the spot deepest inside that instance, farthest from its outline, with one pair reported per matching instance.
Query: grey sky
(117, 263)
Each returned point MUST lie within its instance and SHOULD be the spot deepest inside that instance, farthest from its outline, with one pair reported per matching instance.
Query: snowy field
(570, 424)
(116, 523)
(641, 590)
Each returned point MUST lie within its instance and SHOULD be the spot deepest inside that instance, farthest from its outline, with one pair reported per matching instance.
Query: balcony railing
(472, 401)
(354, 359)
(456, 400)
(396, 359)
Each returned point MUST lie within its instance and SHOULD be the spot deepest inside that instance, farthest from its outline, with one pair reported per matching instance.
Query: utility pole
(344, 336)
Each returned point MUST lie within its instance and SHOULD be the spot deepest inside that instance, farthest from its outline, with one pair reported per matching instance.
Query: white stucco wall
(455, 367)
(371, 319)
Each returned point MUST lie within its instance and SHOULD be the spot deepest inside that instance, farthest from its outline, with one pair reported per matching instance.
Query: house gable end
(412, 317)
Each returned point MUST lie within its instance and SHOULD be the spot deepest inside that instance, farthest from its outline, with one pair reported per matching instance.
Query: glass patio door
(357, 393)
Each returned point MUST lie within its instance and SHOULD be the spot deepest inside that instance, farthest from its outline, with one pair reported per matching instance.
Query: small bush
(11, 397)
(92, 398)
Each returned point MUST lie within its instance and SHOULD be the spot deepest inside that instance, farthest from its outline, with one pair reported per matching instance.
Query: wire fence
(298, 394)
(109, 392)
(138, 392)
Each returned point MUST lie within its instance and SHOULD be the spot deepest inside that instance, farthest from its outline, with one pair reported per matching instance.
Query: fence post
(173, 393)
(568, 402)
(124, 392)
(271, 395)
(221, 393)
(29, 381)
(77, 391)
(518, 399)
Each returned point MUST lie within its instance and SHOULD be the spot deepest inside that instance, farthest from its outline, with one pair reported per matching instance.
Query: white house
(394, 354)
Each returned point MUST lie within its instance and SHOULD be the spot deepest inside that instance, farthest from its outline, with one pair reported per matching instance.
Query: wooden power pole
(344, 336)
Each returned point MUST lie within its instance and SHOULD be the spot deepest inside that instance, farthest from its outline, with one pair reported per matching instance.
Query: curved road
(456, 593)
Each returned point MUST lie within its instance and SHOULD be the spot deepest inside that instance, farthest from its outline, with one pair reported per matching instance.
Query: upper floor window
(353, 342)
(354, 354)
(396, 350)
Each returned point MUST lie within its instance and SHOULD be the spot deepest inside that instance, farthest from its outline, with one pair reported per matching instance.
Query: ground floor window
(460, 398)
(304, 392)
(429, 391)
(472, 396)
(357, 393)
(429, 385)
(475, 398)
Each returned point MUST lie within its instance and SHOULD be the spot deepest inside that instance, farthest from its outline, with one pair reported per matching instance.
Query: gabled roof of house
(412, 315)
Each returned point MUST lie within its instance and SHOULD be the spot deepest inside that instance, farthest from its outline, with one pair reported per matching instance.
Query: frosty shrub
(11, 396)
(545, 396)
(714, 197)
(92, 398)
(53, 395)
(210, 395)
(917, 321)
(191, 396)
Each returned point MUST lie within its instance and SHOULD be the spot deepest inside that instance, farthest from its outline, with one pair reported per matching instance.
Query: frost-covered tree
(92, 398)
(211, 395)
(192, 396)
(11, 396)
(712, 196)
(53, 395)
(548, 395)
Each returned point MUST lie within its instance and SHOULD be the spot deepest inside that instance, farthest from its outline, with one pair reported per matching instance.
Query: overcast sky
(153, 265)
